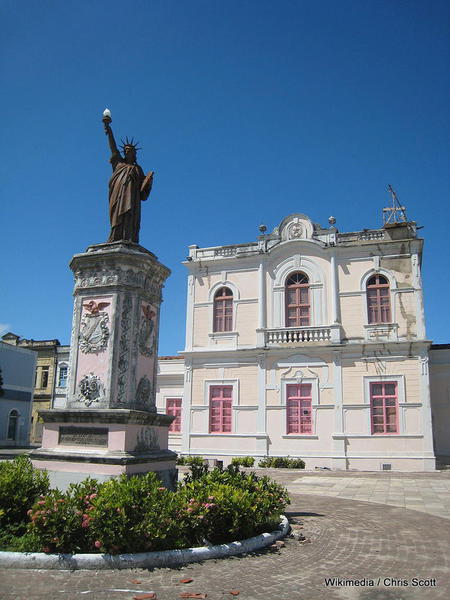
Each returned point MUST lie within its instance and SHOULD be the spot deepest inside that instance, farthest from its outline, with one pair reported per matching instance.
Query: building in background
(311, 343)
(307, 343)
(17, 366)
(169, 395)
(50, 376)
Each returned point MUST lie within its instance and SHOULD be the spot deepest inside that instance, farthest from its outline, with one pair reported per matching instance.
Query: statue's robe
(125, 198)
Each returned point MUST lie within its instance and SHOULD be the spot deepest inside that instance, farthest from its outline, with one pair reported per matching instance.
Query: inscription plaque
(83, 436)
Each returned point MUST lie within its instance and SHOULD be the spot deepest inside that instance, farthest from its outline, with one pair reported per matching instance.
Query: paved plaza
(384, 541)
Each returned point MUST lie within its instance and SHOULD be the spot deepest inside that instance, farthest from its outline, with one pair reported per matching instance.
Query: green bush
(190, 460)
(137, 514)
(281, 462)
(239, 504)
(243, 461)
(20, 485)
(59, 521)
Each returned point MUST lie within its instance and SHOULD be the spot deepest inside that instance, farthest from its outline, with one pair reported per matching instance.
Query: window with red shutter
(223, 310)
(378, 300)
(297, 300)
(220, 408)
(384, 407)
(299, 408)
(173, 407)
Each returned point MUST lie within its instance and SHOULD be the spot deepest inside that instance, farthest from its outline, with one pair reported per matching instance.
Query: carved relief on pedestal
(124, 360)
(112, 276)
(144, 391)
(147, 330)
(147, 439)
(94, 330)
(91, 389)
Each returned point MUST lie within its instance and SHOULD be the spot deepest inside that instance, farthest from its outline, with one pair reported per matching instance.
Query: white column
(186, 408)
(335, 304)
(190, 311)
(262, 306)
(261, 429)
(339, 446)
(427, 429)
(418, 293)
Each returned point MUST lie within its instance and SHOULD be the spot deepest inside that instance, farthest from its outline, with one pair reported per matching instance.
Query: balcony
(330, 334)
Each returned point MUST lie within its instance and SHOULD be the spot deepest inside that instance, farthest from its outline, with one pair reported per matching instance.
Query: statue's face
(130, 153)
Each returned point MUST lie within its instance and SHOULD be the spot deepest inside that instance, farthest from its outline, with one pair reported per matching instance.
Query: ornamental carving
(147, 439)
(149, 282)
(124, 360)
(94, 331)
(144, 391)
(91, 389)
(147, 331)
(295, 231)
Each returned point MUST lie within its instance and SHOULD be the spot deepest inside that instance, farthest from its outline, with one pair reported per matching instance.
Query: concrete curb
(143, 560)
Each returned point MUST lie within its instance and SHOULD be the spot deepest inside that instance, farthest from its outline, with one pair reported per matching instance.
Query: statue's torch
(106, 118)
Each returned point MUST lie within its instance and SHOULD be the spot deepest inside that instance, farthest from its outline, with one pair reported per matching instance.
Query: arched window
(297, 300)
(12, 425)
(378, 300)
(223, 310)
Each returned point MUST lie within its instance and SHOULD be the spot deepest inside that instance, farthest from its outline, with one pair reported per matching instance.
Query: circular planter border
(142, 560)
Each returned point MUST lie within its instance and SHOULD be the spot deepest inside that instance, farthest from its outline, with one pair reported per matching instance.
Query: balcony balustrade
(302, 335)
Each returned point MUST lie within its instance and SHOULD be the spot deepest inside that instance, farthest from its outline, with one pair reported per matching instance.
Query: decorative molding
(91, 389)
(144, 391)
(124, 359)
(147, 330)
(94, 332)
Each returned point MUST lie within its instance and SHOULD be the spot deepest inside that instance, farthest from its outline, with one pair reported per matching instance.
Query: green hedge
(20, 486)
(281, 462)
(243, 461)
(138, 514)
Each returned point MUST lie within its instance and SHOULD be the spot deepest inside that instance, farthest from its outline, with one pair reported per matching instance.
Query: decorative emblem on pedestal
(144, 390)
(295, 231)
(147, 439)
(147, 331)
(94, 331)
(91, 389)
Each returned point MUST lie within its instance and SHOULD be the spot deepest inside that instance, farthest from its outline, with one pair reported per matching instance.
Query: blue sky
(247, 111)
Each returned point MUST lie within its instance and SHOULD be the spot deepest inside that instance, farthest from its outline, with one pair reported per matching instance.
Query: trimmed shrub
(137, 514)
(59, 522)
(190, 460)
(20, 485)
(243, 461)
(281, 462)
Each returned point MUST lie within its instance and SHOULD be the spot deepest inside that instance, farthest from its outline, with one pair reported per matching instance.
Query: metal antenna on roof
(395, 213)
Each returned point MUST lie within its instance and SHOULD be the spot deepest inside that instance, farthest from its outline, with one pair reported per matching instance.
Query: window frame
(13, 414)
(299, 305)
(378, 309)
(298, 399)
(224, 303)
(401, 401)
(384, 397)
(175, 426)
(222, 401)
(63, 368)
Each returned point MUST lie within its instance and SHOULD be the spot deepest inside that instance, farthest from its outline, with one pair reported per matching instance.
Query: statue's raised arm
(128, 186)
(108, 131)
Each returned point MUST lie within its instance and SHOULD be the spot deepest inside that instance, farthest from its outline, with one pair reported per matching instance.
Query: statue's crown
(130, 144)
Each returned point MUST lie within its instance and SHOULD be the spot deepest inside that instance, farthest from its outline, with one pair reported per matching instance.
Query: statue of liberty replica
(128, 187)
(109, 425)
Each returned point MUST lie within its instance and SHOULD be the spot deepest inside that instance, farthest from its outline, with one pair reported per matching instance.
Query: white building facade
(308, 343)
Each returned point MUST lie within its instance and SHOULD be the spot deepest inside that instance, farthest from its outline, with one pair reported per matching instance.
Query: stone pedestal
(110, 425)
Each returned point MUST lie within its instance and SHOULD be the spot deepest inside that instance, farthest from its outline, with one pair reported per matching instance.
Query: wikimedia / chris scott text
(380, 581)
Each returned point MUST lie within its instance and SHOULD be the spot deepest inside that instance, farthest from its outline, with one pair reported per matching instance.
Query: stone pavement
(425, 492)
(345, 539)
